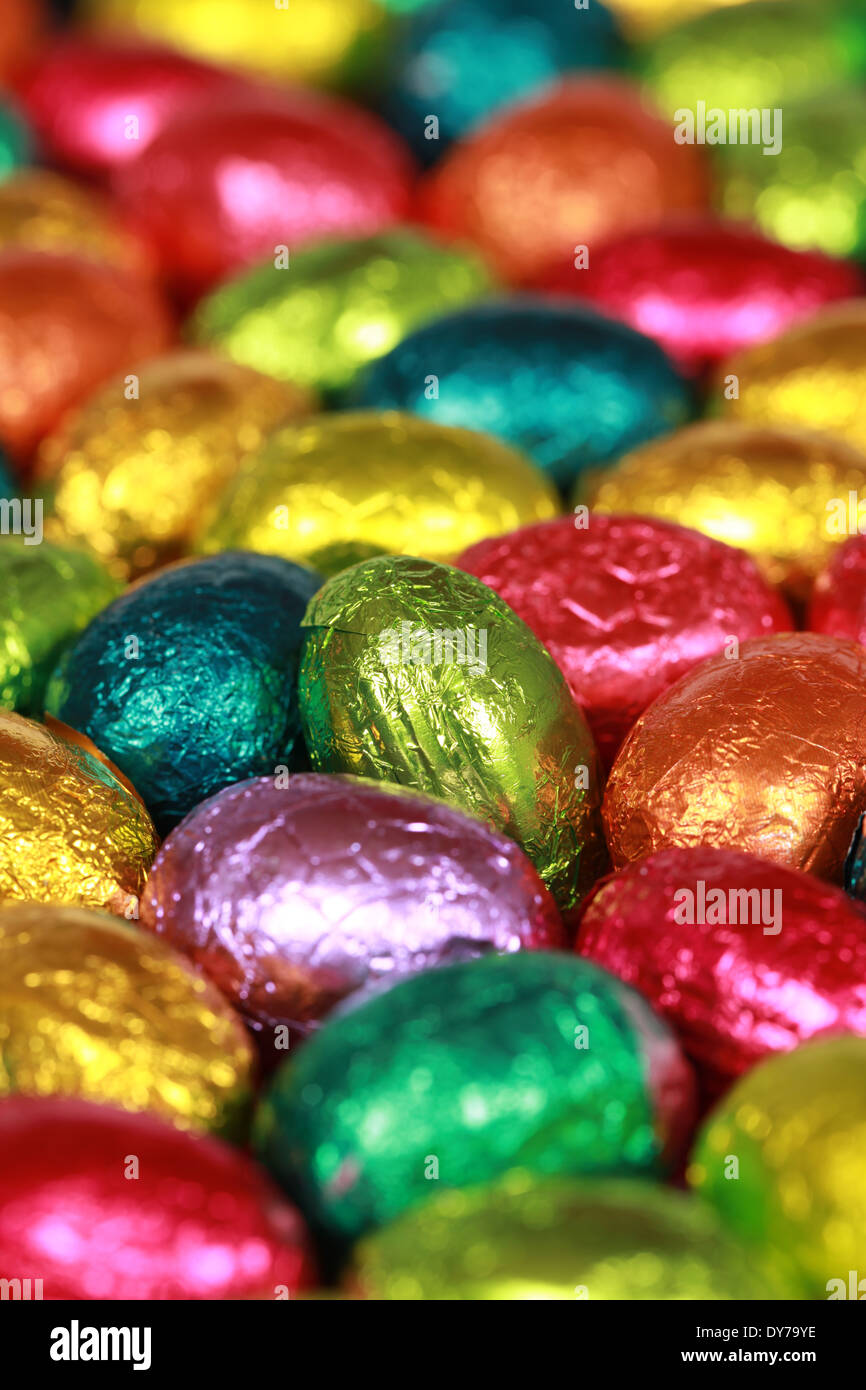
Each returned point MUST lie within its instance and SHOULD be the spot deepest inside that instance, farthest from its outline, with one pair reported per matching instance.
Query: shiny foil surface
(415, 673)
(625, 605)
(838, 604)
(131, 474)
(583, 161)
(813, 375)
(96, 1008)
(342, 487)
(149, 1211)
(797, 1126)
(644, 18)
(8, 486)
(41, 211)
(297, 896)
(771, 490)
(16, 143)
(567, 384)
(220, 189)
(764, 751)
(704, 288)
(557, 1239)
(48, 593)
(188, 680)
(67, 325)
(538, 1059)
(736, 977)
(70, 830)
(22, 28)
(339, 305)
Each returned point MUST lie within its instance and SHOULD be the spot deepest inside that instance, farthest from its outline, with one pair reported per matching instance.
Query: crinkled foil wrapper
(96, 1008)
(539, 1059)
(495, 732)
(763, 751)
(70, 830)
(41, 211)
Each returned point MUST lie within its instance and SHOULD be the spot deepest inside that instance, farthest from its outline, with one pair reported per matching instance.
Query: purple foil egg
(299, 894)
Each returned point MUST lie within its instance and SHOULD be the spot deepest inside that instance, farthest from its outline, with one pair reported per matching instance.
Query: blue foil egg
(188, 681)
(569, 386)
(458, 62)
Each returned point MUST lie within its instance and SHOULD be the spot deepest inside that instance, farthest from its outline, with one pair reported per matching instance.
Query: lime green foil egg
(317, 318)
(417, 673)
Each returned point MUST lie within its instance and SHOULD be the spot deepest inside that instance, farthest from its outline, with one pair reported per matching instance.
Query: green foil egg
(417, 673)
(337, 305)
(537, 1060)
(16, 142)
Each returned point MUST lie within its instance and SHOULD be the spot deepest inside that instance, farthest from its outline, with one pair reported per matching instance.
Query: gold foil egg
(642, 18)
(71, 830)
(41, 211)
(95, 1008)
(775, 492)
(133, 469)
(346, 486)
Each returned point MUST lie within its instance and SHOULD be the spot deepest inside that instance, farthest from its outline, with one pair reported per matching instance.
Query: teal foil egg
(542, 1061)
(8, 486)
(16, 142)
(571, 387)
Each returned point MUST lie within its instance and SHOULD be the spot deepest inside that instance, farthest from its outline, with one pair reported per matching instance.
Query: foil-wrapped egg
(538, 1059)
(781, 1159)
(564, 382)
(95, 1008)
(71, 831)
(189, 678)
(838, 605)
(68, 323)
(41, 211)
(16, 143)
(343, 304)
(527, 1237)
(705, 288)
(132, 470)
(762, 749)
(645, 18)
(138, 1209)
(8, 486)
(294, 897)
(345, 486)
(781, 494)
(625, 605)
(416, 673)
(741, 956)
(551, 178)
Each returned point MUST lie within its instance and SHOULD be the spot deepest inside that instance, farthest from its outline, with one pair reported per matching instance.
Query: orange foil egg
(42, 211)
(22, 27)
(585, 161)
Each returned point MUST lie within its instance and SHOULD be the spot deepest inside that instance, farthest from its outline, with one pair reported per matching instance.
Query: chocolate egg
(95, 1008)
(22, 28)
(642, 18)
(16, 146)
(218, 190)
(415, 673)
(625, 605)
(346, 486)
(581, 162)
(48, 593)
(838, 604)
(132, 471)
(773, 491)
(742, 957)
(781, 1159)
(295, 895)
(188, 679)
(67, 324)
(537, 1059)
(342, 304)
(195, 1219)
(762, 749)
(705, 288)
(568, 385)
(70, 830)
(40, 211)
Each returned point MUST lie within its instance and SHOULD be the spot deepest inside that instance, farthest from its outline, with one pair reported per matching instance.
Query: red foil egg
(625, 605)
(101, 1204)
(741, 956)
(838, 604)
(97, 103)
(585, 161)
(221, 188)
(704, 289)
(66, 325)
(22, 28)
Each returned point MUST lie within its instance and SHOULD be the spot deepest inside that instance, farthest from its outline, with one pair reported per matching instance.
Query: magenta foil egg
(838, 604)
(295, 894)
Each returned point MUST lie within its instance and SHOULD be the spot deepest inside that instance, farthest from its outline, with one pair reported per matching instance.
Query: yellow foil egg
(778, 493)
(347, 486)
(41, 211)
(641, 18)
(71, 829)
(95, 1008)
(133, 470)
